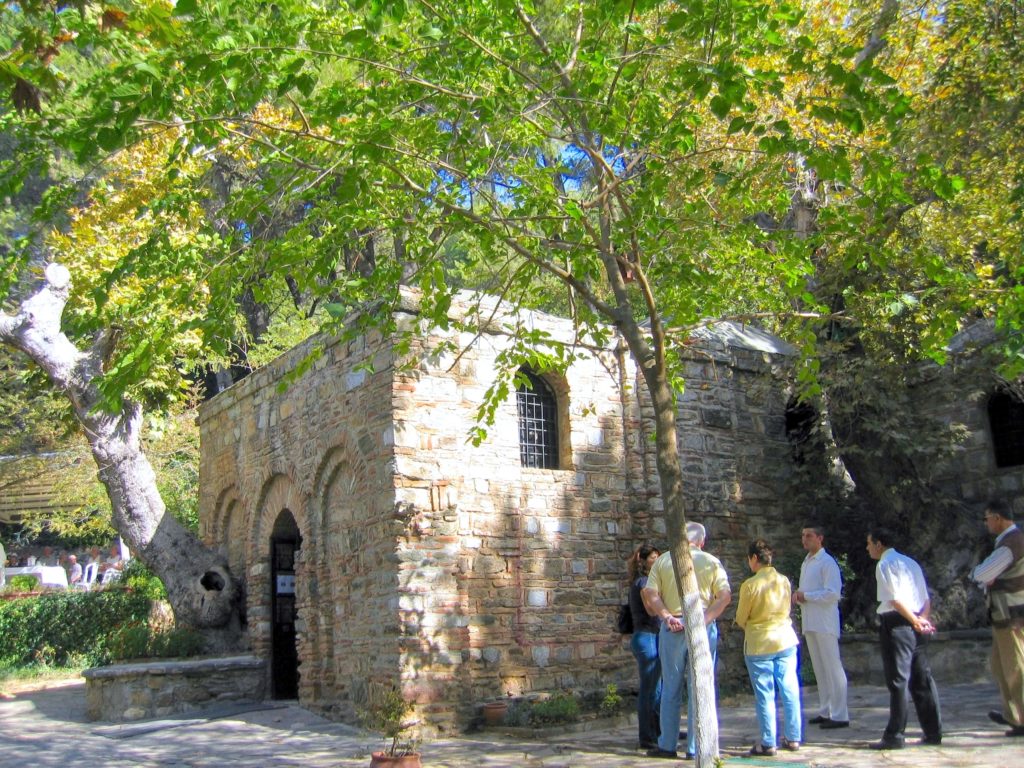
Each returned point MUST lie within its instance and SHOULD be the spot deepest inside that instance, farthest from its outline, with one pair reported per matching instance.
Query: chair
(89, 576)
(110, 575)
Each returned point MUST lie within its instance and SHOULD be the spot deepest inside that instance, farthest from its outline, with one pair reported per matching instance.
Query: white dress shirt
(900, 578)
(988, 570)
(822, 585)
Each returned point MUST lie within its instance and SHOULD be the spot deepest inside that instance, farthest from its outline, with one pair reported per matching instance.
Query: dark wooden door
(285, 662)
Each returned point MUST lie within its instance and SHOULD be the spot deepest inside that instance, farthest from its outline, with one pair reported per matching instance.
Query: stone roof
(726, 333)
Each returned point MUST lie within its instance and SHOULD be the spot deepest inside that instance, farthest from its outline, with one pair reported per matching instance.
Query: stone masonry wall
(509, 576)
(320, 449)
(447, 567)
(127, 692)
(738, 471)
(964, 481)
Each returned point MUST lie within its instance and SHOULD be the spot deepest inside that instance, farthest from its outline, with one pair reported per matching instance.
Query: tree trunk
(199, 586)
(652, 364)
(705, 716)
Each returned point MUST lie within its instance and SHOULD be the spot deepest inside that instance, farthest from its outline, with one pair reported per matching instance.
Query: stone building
(379, 545)
(985, 413)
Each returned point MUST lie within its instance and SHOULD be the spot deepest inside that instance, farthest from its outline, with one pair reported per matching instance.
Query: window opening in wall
(1006, 420)
(538, 422)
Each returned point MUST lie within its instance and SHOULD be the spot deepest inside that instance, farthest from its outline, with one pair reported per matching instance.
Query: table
(46, 575)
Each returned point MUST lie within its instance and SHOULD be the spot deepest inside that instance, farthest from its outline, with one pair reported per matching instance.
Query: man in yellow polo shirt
(662, 599)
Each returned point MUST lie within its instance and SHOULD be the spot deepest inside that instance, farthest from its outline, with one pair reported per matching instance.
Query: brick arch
(278, 493)
(335, 460)
(228, 502)
(341, 460)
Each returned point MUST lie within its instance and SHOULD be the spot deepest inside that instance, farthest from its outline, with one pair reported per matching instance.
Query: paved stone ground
(46, 728)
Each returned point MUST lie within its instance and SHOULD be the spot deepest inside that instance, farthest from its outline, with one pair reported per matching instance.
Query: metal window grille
(538, 423)
(1006, 419)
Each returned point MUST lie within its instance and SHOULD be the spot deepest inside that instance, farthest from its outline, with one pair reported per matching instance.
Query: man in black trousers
(903, 608)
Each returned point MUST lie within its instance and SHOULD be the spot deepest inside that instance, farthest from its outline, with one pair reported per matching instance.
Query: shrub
(612, 701)
(55, 627)
(22, 583)
(138, 640)
(386, 713)
(138, 578)
(129, 641)
(177, 642)
(560, 708)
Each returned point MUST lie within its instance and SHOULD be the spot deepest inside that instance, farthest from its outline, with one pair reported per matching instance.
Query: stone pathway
(46, 728)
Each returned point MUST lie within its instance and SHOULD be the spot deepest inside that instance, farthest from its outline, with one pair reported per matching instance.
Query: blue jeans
(675, 673)
(648, 701)
(771, 672)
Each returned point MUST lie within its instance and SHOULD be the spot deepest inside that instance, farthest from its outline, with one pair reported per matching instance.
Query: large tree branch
(35, 329)
(876, 40)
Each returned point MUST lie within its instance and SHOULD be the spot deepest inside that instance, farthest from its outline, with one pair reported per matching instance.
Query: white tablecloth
(46, 575)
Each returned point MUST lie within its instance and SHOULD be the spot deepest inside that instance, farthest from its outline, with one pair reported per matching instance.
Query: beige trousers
(1008, 670)
(829, 672)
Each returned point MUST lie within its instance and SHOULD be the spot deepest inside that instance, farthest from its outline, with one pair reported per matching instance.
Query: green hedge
(66, 627)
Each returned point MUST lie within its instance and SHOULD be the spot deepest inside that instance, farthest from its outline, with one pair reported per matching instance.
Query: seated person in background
(74, 571)
(95, 556)
(111, 567)
(48, 558)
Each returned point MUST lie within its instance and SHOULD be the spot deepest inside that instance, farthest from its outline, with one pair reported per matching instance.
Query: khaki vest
(1006, 595)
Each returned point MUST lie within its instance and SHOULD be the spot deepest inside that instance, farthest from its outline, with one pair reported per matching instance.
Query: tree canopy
(847, 172)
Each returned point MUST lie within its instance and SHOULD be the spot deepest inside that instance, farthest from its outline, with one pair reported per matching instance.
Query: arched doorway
(285, 542)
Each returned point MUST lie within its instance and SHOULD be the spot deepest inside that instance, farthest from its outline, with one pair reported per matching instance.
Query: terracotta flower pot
(494, 712)
(382, 760)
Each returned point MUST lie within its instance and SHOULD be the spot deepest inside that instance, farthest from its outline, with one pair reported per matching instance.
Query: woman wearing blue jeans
(644, 645)
(769, 648)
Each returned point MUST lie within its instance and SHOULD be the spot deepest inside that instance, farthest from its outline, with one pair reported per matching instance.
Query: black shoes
(997, 717)
(889, 742)
(835, 724)
(663, 753)
(932, 741)
(819, 720)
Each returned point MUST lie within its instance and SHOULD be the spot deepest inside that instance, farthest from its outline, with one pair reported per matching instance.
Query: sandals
(760, 750)
(792, 746)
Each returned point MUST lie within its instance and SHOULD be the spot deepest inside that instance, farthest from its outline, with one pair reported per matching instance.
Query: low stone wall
(138, 691)
(956, 656)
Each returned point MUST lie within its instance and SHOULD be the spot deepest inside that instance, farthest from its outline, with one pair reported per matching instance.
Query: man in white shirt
(74, 572)
(903, 608)
(1001, 575)
(48, 558)
(821, 586)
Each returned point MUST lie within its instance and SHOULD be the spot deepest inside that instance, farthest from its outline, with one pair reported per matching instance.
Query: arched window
(1006, 420)
(538, 422)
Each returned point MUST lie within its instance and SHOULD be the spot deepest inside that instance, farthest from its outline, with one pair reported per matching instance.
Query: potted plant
(388, 713)
(495, 711)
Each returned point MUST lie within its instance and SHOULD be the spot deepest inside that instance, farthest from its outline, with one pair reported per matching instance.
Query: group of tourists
(82, 568)
(771, 643)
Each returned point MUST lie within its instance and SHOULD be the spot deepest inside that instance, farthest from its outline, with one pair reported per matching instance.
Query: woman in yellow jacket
(770, 648)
